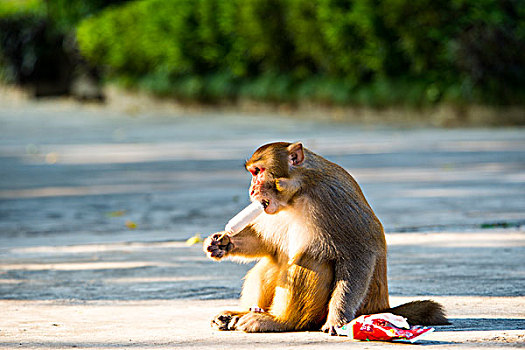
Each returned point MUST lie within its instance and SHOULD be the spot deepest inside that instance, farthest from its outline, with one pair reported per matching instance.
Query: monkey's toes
(225, 322)
(330, 329)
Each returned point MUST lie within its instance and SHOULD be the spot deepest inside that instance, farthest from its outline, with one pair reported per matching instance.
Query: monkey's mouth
(256, 195)
(265, 203)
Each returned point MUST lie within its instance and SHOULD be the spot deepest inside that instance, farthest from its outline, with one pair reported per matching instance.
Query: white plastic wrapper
(245, 216)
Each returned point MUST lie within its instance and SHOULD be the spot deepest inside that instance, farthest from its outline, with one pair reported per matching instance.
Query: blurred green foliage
(21, 7)
(369, 52)
(373, 52)
(65, 14)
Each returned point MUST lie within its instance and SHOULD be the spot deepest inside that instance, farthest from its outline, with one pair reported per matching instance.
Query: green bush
(148, 37)
(376, 52)
(474, 46)
(10, 8)
(490, 51)
(338, 36)
(67, 13)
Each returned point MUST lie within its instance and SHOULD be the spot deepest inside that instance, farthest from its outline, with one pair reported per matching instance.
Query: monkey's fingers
(216, 255)
(222, 239)
(211, 249)
(212, 243)
(213, 246)
(215, 252)
(214, 249)
(217, 236)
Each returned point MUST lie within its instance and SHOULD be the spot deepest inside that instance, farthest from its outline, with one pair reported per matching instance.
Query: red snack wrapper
(383, 327)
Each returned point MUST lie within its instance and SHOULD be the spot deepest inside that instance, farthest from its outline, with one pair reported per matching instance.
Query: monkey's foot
(226, 320)
(329, 328)
(259, 322)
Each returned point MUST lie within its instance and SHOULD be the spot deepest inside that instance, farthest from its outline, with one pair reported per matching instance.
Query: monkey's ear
(295, 153)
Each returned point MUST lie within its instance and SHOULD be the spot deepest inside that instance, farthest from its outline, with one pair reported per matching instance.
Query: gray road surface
(73, 176)
(95, 206)
(64, 168)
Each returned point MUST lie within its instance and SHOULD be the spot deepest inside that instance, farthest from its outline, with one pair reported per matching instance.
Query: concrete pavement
(95, 206)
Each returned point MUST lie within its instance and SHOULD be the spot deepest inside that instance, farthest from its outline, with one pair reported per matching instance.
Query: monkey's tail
(421, 312)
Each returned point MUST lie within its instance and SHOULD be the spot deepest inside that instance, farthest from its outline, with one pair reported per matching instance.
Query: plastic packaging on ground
(383, 327)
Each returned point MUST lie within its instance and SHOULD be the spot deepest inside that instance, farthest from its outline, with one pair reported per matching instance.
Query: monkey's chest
(283, 232)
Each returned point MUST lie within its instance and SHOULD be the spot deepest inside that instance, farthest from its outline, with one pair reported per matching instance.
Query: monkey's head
(275, 168)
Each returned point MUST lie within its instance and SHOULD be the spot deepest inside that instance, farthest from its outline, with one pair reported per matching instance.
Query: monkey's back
(343, 216)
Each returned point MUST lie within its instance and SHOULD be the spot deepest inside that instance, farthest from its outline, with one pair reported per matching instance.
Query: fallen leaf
(131, 224)
(116, 213)
(194, 240)
(52, 158)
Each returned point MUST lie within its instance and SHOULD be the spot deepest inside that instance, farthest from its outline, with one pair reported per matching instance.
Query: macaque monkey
(321, 250)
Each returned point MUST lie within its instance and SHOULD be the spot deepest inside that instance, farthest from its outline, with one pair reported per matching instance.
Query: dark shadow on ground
(484, 324)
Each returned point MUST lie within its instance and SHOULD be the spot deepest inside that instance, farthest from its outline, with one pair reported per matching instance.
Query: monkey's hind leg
(299, 302)
(258, 291)
(376, 299)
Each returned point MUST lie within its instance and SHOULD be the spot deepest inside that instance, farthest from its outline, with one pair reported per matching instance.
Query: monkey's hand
(217, 245)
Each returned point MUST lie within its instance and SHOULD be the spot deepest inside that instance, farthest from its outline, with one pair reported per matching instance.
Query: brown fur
(321, 249)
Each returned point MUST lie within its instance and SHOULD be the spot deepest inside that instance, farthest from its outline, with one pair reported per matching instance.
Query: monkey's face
(270, 167)
(262, 188)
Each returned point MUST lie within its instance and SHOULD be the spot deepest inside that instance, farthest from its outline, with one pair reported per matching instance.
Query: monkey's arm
(351, 281)
(246, 244)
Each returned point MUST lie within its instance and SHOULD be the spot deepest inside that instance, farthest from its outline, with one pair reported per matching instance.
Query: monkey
(320, 249)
